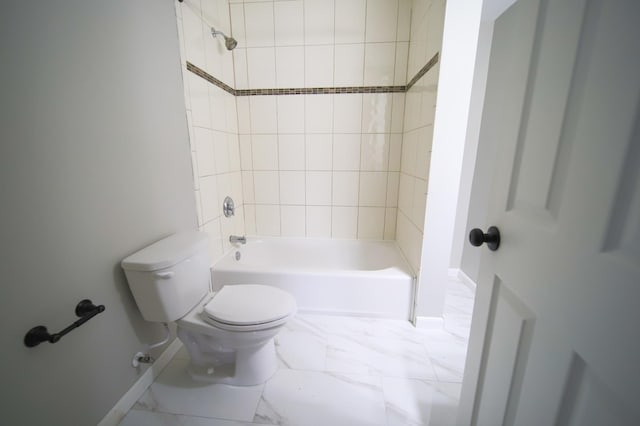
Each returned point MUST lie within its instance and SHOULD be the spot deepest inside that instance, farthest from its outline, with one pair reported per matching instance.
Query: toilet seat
(247, 305)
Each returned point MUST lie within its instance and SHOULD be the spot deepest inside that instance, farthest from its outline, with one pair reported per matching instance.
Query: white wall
(94, 165)
(461, 28)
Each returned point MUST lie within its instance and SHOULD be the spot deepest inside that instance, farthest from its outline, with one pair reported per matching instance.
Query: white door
(555, 337)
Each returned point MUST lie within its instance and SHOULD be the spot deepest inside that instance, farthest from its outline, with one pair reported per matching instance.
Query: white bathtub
(365, 278)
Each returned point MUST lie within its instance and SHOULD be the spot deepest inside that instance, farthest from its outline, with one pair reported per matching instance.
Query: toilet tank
(169, 277)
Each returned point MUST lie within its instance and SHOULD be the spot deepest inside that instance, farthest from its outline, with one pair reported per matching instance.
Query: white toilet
(229, 333)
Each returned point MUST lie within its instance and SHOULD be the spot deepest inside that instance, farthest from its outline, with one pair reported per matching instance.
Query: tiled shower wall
(212, 120)
(321, 165)
(342, 165)
(427, 23)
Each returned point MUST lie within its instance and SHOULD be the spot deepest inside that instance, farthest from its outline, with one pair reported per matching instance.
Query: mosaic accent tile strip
(211, 79)
(313, 90)
(432, 62)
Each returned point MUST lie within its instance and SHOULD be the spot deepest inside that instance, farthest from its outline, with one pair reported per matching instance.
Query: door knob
(492, 238)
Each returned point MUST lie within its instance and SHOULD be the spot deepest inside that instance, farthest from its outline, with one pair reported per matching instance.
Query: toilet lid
(249, 304)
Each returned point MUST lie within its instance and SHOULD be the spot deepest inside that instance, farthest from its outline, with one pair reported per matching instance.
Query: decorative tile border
(313, 90)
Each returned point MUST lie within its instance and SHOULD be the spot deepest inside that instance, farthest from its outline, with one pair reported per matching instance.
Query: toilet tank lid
(166, 252)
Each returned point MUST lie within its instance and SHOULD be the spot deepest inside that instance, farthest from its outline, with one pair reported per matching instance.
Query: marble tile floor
(333, 371)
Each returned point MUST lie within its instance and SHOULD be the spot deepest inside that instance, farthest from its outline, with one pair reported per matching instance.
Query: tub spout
(237, 239)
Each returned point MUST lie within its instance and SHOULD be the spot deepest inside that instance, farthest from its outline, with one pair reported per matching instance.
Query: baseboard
(122, 407)
(464, 278)
(429, 323)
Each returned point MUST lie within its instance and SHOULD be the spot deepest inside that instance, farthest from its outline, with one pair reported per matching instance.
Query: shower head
(229, 42)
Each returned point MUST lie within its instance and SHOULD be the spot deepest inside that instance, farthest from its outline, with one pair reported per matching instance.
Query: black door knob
(492, 238)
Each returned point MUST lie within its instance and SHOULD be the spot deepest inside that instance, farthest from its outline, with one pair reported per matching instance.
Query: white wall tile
(259, 28)
(379, 63)
(250, 219)
(221, 152)
(374, 155)
(382, 20)
(261, 63)
(236, 11)
(345, 188)
(244, 115)
(234, 152)
(200, 112)
(376, 112)
(318, 221)
(318, 150)
(289, 23)
(193, 41)
(318, 22)
(402, 56)
(246, 158)
(373, 189)
(346, 152)
(240, 68)
(209, 198)
(223, 186)
(248, 192)
(263, 114)
(397, 112)
(404, 20)
(293, 221)
(350, 21)
(292, 188)
(318, 110)
(349, 65)
(290, 66)
(344, 222)
(290, 114)
(405, 194)
(395, 151)
(318, 66)
(371, 223)
(204, 151)
(268, 220)
(217, 106)
(393, 183)
(264, 150)
(318, 188)
(390, 223)
(267, 187)
(291, 152)
(347, 113)
(232, 114)
(419, 203)
(212, 229)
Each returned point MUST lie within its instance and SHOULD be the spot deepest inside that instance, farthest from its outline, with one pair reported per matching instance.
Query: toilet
(229, 334)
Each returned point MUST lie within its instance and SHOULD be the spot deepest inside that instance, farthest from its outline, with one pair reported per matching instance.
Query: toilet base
(253, 366)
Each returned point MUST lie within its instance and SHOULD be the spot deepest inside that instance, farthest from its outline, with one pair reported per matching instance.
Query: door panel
(555, 338)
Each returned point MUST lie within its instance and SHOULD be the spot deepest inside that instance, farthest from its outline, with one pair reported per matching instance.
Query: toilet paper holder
(85, 309)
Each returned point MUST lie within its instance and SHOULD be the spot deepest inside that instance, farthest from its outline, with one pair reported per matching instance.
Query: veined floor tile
(309, 398)
(418, 402)
(301, 350)
(379, 356)
(150, 418)
(175, 392)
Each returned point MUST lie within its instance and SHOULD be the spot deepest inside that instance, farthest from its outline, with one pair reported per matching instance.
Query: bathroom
(112, 143)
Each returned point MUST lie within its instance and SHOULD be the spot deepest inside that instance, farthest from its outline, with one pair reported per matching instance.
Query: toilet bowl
(229, 333)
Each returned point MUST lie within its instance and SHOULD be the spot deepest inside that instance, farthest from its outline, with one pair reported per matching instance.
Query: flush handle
(165, 275)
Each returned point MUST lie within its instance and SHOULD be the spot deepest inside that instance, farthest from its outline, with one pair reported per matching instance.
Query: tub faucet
(237, 239)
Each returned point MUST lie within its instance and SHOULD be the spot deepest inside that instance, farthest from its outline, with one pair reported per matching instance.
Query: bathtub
(346, 277)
